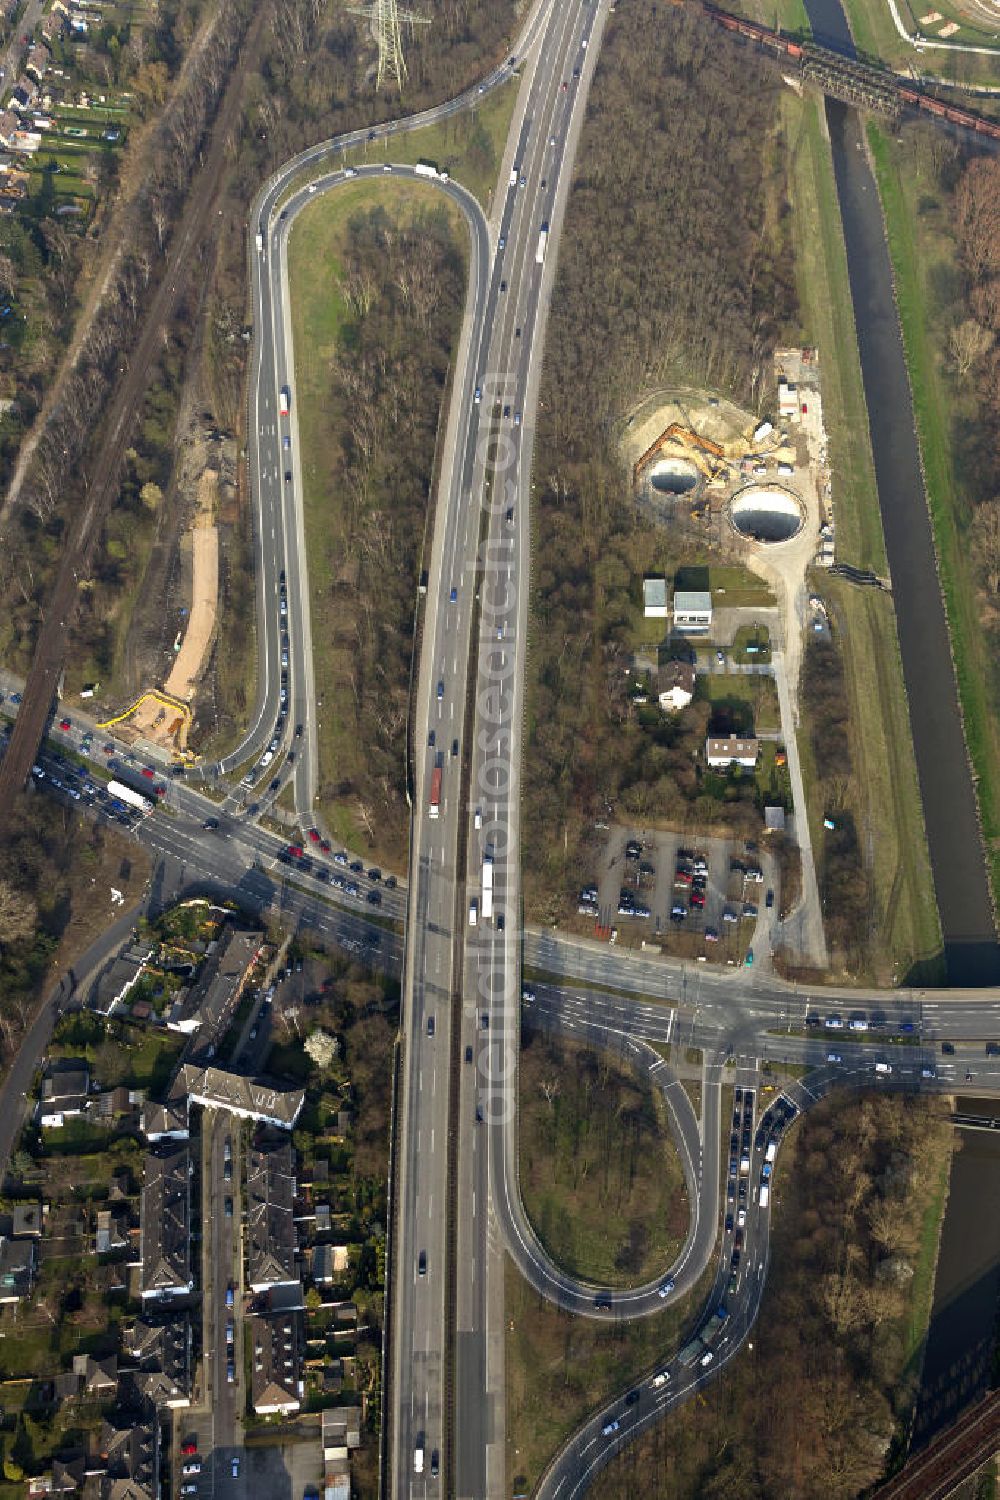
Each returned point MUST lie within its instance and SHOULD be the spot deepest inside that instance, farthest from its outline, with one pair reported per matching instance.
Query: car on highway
(440, 689)
(235, 1468)
(666, 1287)
(288, 476)
(478, 396)
(230, 1295)
(517, 419)
(229, 1208)
(948, 1049)
(706, 1358)
(422, 1263)
(189, 1489)
(503, 286)
(454, 747)
(610, 1429)
(502, 242)
(454, 596)
(231, 1380)
(435, 1464)
(286, 441)
(430, 1025)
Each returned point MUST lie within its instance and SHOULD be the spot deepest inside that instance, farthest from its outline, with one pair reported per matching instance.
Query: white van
(473, 912)
(883, 1067)
(418, 1459)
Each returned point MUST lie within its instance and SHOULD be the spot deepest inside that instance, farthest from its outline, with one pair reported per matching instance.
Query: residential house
(26, 1220)
(270, 1223)
(165, 1251)
(130, 1452)
(111, 1234)
(692, 612)
(65, 1091)
(276, 1344)
(165, 1122)
(96, 1377)
(247, 1098)
(159, 1352)
(18, 1259)
(731, 749)
(38, 61)
(654, 598)
(24, 95)
(208, 1005)
(114, 985)
(675, 685)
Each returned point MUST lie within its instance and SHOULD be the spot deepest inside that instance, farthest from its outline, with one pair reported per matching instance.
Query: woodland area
(814, 1408)
(844, 882)
(308, 76)
(53, 862)
(974, 348)
(601, 1179)
(403, 285)
(674, 267)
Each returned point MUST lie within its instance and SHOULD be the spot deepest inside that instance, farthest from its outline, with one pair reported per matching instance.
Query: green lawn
(469, 146)
(916, 255)
(827, 313)
(884, 793)
(758, 694)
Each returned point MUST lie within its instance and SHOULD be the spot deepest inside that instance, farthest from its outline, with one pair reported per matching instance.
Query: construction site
(702, 465)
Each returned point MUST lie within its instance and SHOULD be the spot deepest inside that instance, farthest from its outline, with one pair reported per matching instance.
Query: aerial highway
(459, 1205)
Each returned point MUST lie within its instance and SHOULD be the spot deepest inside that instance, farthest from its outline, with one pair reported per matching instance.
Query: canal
(957, 857)
(961, 1337)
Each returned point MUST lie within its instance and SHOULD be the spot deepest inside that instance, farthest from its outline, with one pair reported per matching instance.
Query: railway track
(953, 1458)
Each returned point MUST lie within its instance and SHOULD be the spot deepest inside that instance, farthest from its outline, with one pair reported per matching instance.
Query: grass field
(757, 693)
(601, 1178)
(469, 146)
(919, 250)
(885, 792)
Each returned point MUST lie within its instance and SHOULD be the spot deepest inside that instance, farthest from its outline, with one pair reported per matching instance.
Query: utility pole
(385, 17)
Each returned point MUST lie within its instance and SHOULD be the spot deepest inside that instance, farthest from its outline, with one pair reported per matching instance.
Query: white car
(666, 1287)
(660, 1379)
(741, 1218)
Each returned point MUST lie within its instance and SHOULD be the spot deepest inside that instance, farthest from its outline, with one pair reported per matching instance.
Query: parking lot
(697, 896)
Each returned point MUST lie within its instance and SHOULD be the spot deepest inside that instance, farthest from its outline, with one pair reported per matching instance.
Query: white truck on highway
(543, 239)
(284, 400)
(487, 885)
(127, 794)
(418, 1458)
(772, 1150)
(765, 1194)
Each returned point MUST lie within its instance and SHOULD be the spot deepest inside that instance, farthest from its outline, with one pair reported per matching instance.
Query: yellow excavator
(700, 450)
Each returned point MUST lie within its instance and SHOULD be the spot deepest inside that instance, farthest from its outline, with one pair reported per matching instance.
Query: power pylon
(385, 17)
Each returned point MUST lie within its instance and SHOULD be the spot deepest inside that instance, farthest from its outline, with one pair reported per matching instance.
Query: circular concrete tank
(764, 513)
(674, 476)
